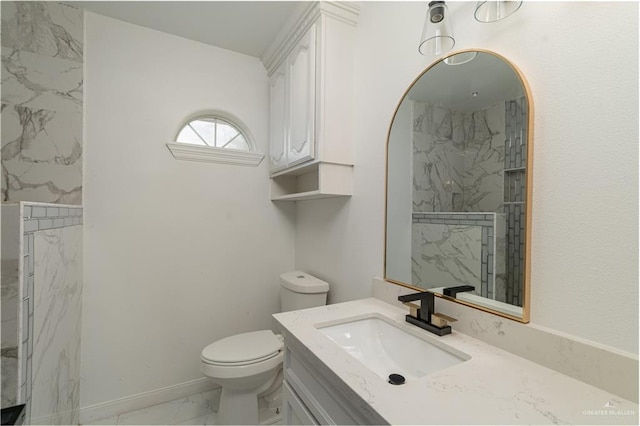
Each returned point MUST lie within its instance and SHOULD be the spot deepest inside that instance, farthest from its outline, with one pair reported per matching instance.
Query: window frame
(210, 154)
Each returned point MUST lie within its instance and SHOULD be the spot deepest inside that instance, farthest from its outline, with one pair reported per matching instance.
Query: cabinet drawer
(316, 395)
(294, 411)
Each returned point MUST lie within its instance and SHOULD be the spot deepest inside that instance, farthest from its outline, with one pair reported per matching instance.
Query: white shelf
(311, 195)
(314, 181)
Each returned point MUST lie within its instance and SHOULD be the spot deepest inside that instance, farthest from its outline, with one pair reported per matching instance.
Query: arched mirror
(459, 162)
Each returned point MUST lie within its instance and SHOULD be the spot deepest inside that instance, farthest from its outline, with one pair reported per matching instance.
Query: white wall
(581, 61)
(177, 253)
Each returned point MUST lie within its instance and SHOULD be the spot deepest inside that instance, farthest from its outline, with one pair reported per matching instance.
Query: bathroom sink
(386, 348)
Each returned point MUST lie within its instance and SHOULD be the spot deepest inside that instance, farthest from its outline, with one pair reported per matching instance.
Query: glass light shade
(495, 10)
(437, 36)
(460, 58)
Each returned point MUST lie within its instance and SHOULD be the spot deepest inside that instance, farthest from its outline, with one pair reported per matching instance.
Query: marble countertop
(493, 387)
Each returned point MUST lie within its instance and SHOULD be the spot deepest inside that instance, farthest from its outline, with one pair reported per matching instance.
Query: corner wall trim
(142, 400)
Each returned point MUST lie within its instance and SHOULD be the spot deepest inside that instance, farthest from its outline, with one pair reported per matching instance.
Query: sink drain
(396, 379)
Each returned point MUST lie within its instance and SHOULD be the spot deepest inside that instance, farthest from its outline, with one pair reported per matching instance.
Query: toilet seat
(242, 349)
(238, 364)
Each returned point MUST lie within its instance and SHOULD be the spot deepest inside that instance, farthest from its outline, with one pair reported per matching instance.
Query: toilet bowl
(249, 364)
(245, 366)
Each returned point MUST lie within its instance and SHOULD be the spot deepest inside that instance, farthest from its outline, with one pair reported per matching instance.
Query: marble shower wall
(470, 162)
(458, 163)
(41, 309)
(55, 382)
(41, 102)
(445, 255)
(458, 159)
(451, 249)
(10, 303)
(51, 280)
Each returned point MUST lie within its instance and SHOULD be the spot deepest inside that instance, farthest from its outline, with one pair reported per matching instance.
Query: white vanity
(325, 384)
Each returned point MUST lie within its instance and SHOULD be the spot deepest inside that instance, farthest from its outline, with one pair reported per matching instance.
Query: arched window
(215, 138)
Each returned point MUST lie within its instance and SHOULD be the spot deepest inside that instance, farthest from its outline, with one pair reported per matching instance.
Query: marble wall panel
(49, 28)
(446, 255)
(484, 160)
(10, 315)
(35, 217)
(41, 83)
(9, 377)
(42, 94)
(438, 164)
(56, 326)
(458, 159)
(492, 228)
(10, 302)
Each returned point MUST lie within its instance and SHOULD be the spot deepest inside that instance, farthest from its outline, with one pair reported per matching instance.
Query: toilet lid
(242, 348)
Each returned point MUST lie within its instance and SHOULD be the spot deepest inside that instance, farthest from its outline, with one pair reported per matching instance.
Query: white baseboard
(142, 400)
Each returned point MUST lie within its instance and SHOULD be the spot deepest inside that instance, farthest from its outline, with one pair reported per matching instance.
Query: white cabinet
(278, 110)
(302, 96)
(292, 98)
(309, 397)
(312, 70)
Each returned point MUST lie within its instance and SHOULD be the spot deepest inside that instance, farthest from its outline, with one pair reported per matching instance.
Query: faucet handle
(441, 320)
(413, 308)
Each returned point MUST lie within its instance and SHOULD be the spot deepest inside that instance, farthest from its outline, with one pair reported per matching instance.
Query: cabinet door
(294, 411)
(278, 119)
(302, 99)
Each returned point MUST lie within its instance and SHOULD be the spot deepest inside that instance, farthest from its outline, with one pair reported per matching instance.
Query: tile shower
(41, 359)
(41, 112)
(468, 194)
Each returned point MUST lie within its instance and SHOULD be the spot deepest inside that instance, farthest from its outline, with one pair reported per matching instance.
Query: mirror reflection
(456, 182)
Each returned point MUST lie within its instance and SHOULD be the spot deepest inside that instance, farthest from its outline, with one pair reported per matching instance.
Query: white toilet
(249, 364)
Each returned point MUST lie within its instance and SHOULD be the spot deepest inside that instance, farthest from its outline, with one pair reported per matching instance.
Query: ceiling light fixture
(437, 36)
(460, 58)
(437, 33)
(495, 10)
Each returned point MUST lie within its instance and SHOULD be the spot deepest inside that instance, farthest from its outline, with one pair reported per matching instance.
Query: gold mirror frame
(528, 183)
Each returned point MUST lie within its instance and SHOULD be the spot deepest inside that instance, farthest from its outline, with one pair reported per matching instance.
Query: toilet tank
(300, 290)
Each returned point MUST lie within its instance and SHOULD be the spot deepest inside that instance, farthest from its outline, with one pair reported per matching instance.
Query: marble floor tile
(108, 421)
(9, 377)
(206, 420)
(169, 413)
(198, 409)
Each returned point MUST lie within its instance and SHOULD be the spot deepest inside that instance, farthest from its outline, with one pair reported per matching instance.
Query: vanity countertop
(493, 387)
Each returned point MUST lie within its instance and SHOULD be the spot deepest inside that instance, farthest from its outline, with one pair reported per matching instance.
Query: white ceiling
(242, 26)
(452, 86)
(249, 27)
